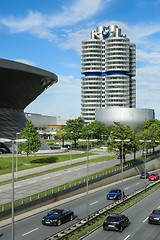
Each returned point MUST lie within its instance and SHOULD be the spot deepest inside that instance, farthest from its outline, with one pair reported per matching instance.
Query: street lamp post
(89, 134)
(87, 179)
(16, 141)
(70, 149)
(159, 148)
(122, 140)
(17, 156)
(145, 157)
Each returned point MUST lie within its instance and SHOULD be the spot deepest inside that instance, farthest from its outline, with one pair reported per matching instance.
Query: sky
(48, 34)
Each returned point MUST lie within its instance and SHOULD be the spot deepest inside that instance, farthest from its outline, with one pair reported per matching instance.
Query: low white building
(47, 125)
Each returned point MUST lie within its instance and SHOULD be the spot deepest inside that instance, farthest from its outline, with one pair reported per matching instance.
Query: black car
(154, 217)
(116, 222)
(67, 146)
(57, 217)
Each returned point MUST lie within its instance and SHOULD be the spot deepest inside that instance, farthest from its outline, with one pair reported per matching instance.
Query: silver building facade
(108, 63)
(133, 117)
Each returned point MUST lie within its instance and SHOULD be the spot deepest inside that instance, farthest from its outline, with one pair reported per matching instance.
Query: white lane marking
(58, 174)
(17, 186)
(22, 191)
(127, 237)
(69, 171)
(30, 231)
(77, 169)
(94, 202)
(32, 182)
(145, 219)
(46, 178)
(126, 188)
(137, 183)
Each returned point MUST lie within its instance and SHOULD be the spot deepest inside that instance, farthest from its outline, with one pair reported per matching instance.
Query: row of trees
(77, 129)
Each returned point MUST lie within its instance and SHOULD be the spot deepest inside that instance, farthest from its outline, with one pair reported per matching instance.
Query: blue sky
(48, 34)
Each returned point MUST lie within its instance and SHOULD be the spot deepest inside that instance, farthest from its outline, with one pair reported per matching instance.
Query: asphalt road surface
(46, 181)
(31, 228)
(139, 227)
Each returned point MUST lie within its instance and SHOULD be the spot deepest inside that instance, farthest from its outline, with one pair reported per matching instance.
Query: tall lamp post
(159, 149)
(88, 172)
(17, 155)
(70, 149)
(16, 141)
(122, 140)
(145, 156)
(87, 179)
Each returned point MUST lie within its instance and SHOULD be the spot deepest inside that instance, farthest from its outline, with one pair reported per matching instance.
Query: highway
(46, 181)
(139, 227)
(31, 228)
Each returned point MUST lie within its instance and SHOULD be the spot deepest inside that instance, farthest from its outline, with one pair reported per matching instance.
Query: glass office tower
(108, 63)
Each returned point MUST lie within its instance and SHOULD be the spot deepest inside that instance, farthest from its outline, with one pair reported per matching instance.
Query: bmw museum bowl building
(20, 84)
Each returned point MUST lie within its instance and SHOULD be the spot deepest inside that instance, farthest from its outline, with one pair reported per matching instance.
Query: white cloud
(61, 99)
(137, 34)
(148, 74)
(73, 39)
(148, 88)
(72, 65)
(41, 25)
(25, 61)
(152, 57)
(67, 85)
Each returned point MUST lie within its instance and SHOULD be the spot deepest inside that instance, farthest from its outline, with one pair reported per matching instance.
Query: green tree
(61, 134)
(34, 142)
(98, 129)
(74, 129)
(121, 132)
(150, 131)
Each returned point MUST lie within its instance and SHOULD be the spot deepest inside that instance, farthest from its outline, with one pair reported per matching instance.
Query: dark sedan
(115, 194)
(57, 217)
(154, 217)
(116, 222)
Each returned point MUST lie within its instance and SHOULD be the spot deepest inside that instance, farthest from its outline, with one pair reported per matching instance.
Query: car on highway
(57, 217)
(103, 147)
(118, 156)
(143, 175)
(116, 222)
(154, 217)
(115, 194)
(153, 177)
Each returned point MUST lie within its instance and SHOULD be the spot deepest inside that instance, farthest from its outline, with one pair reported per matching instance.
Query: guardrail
(56, 190)
(69, 230)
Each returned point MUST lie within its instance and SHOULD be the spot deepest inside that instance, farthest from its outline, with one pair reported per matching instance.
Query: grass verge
(98, 159)
(36, 161)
